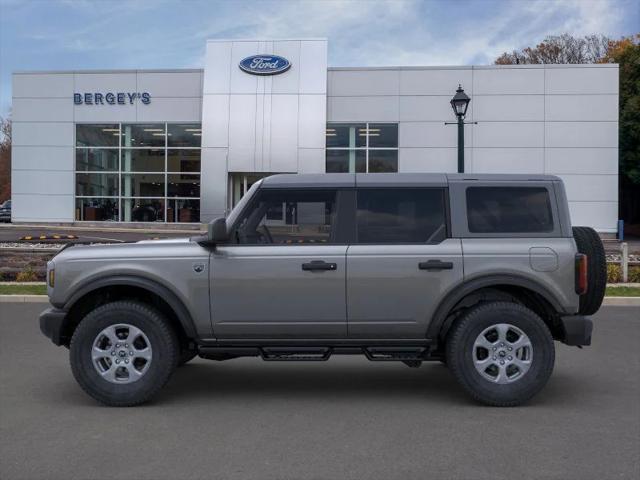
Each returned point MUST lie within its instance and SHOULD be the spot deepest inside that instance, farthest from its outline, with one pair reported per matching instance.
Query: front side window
(362, 147)
(509, 210)
(407, 215)
(288, 217)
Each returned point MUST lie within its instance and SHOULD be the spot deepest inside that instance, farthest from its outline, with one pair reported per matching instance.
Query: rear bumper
(51, 324)
(576, 330)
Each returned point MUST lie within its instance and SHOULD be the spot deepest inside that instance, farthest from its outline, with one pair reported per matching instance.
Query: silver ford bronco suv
(480, 272)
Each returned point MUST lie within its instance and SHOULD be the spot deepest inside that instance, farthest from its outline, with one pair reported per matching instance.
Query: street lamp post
(460, 103)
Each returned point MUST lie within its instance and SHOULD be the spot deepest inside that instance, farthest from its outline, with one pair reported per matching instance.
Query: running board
(295, 354)
(398, 353)
(395, 354)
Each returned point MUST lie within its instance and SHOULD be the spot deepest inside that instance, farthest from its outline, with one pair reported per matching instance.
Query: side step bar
(405, 354)
(291, 354)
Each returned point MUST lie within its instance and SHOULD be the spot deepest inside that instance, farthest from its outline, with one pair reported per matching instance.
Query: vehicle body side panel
(514, 256)
(170, 264)
(261, 291)
(389, 296)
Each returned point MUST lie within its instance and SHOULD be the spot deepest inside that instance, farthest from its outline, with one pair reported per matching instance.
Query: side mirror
(217, 231)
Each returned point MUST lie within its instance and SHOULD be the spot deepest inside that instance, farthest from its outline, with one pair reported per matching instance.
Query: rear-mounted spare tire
(589, 243)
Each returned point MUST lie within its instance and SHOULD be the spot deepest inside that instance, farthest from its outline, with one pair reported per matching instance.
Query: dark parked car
(5, 211)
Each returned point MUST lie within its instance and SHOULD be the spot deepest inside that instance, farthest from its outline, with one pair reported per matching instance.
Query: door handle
(319, 265)
(435, 265)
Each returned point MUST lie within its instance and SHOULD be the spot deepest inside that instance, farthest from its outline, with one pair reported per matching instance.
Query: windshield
(241, 204)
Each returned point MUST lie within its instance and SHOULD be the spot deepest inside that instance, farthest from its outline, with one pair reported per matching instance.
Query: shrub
(27, 275)
(634, 274)
(614, 273)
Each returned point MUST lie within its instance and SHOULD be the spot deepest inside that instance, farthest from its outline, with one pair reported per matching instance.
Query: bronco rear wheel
(123, 352)
(501, 353)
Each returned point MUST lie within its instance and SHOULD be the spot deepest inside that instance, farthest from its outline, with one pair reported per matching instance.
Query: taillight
(582, 280)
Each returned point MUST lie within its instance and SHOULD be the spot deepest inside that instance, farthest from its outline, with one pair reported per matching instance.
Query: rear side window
(407, 215)
(509, 210)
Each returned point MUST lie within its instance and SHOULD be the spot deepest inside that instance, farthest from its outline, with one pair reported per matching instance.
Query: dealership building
(182, 146)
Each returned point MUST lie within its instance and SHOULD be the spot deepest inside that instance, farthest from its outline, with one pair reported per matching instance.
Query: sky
(119, 34)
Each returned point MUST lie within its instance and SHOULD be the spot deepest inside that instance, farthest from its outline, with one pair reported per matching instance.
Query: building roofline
(480, 67)
(103, 70)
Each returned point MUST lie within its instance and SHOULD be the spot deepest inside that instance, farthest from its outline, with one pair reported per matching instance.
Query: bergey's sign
(110, 98)
(265, 64)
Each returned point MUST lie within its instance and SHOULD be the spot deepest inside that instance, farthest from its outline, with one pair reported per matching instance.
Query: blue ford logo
(265, 64)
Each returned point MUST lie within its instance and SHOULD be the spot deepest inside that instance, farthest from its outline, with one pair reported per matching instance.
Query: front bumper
(52, 322)
(576, 330)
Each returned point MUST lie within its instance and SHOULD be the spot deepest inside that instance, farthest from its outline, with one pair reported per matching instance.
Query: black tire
(588, 242)
(161, 336)
(460, 350)
(186, 356)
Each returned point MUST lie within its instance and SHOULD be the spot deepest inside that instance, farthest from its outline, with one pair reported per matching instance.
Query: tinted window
(408, 215)
(284, 217)
(509, 210)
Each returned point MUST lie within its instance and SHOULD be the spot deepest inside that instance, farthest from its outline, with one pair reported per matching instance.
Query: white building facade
(182, 146)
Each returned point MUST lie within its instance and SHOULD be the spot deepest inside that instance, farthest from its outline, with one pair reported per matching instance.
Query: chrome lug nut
(126, 360)
(510, 357)
(501, 362)
(495, 358)
(131, 353)
(112, 352)
(117, 361)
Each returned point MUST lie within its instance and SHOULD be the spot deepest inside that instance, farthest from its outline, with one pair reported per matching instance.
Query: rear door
(401, 262)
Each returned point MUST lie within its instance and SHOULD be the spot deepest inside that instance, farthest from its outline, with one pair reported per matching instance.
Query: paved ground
(13, 233)
(344, 419)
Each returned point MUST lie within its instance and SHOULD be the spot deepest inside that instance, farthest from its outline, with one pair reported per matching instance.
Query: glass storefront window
(345, 161)
(383, 135)
(183, 161)
(151, 175)
(143, 209)
(184, 211)
(143, 185)
(144, 135)
(97, 159)
(96, 209)
(381, 161)
(362, 147)
(143, 160)
(181, 185)
(96, 184)
(184, 135)
(104, 135)
(346, 136)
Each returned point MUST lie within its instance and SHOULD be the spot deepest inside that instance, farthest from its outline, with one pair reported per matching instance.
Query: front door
(401, 263)
(283, 273)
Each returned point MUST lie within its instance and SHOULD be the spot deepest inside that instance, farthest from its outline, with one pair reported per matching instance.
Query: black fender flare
(439, 322)
(181, 311)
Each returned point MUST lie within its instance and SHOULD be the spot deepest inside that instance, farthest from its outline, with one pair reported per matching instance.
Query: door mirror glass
(217, 231)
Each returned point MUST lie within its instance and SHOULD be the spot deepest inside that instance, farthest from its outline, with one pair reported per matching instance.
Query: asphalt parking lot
(344, 419)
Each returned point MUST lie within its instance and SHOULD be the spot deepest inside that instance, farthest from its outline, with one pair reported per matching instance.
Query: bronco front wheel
(123, 352)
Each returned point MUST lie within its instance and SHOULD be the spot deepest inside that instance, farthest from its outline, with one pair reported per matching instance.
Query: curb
(608, 301)
(621, 301)
(24, 299)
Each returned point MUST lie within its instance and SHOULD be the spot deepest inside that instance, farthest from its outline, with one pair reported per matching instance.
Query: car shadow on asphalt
(303, 381)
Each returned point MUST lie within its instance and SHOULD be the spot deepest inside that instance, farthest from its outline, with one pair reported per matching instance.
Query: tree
(626, 53)
(5, 159)
(599, 49)
(563, 48)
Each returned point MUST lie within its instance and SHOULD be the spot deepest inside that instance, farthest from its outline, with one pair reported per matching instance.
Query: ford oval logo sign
(265, 64)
